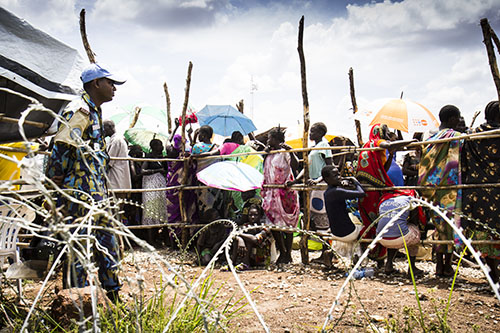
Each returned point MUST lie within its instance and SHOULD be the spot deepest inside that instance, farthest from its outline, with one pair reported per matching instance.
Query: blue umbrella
(225, 119)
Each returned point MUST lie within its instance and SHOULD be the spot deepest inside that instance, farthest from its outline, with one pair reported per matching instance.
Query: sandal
(241, 267)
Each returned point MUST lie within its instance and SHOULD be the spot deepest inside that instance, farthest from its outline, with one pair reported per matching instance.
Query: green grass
(213, 313)
(412, 321)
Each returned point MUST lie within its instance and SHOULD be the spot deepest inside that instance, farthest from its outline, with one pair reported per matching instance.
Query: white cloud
(164, 14)
(429, 49)
(116, 10)
(417, 15)
(53, 16)
(194, 3)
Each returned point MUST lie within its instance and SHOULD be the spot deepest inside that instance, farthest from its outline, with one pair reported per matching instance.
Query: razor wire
(224, 248)
(73, 241)
(79, 245)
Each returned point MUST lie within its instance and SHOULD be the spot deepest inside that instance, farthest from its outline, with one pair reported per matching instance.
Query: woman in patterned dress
(440, 166)
(281, 205)
(481, 164)
(206, 197)
(155, 202)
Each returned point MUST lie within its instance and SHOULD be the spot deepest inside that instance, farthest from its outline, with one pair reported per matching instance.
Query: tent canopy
(34, 64)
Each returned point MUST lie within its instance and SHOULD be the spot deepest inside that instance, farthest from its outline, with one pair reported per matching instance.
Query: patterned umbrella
(232, 176)
(142, 137)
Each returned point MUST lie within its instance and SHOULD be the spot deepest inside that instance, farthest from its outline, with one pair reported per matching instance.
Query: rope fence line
(324, 236)
(347, 149)
(187, 224)
(304, 187)
(366, 187)
(118, 228)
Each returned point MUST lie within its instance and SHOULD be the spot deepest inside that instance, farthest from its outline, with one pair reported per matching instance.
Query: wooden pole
(240, 106)
(306, 221)
(83, 33)
(485, 26)
(169, 115)
(495, 39)
(355, 107)
(5, 119)
(137, 111)
(474, 118)
(182, 206)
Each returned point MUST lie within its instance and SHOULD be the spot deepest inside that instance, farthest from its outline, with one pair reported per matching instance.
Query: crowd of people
(345, 212)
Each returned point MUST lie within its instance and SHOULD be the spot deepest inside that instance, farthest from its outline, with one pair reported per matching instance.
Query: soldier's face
(107, 89)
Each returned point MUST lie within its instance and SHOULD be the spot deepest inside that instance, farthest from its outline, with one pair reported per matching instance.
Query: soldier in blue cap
(77, 165)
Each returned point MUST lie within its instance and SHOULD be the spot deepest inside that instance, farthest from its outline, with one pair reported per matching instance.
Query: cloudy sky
(430, 49)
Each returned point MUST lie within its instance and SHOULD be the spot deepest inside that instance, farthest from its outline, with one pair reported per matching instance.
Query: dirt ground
(297, 298)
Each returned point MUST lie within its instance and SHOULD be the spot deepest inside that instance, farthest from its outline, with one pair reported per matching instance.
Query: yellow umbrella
(404, 115)
(297, 143)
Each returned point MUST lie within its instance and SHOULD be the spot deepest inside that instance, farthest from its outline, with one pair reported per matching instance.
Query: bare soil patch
(297, 297)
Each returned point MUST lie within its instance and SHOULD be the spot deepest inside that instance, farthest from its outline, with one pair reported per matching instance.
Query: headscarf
(371, 162)
(177, 141)
(371, 170)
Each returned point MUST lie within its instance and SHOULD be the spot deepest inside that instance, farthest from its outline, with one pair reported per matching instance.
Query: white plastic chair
(9, 228)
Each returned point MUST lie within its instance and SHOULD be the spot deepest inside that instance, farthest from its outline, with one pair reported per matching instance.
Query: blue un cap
(94, 71)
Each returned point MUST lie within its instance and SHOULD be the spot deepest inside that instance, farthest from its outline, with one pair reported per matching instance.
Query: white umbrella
(232, 176)
(150, 117)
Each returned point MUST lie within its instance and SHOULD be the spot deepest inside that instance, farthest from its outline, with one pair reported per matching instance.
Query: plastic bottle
(363, 272)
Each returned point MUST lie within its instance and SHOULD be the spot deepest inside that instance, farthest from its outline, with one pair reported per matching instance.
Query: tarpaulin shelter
(34, 64)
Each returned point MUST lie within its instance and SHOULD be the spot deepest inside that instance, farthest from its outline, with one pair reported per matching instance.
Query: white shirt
(119, 171)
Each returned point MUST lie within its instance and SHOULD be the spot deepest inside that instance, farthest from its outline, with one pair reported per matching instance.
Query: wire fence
(78, 240)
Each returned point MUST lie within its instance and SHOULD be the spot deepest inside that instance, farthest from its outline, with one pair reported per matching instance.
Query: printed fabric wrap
(280, 204)
(480, 162)
(370, 170)
(440, 166)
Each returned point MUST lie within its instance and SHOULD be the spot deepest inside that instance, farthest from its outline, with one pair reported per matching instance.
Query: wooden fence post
(185, 169)
(169, 116)
(83, 33)
(355, 107)
(304, 250)
(487, 34)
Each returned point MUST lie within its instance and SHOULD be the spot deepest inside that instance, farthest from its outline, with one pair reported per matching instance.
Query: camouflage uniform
(79, 154)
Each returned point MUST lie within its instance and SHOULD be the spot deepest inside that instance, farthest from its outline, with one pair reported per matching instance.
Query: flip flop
(241, 267)
(393, 272)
